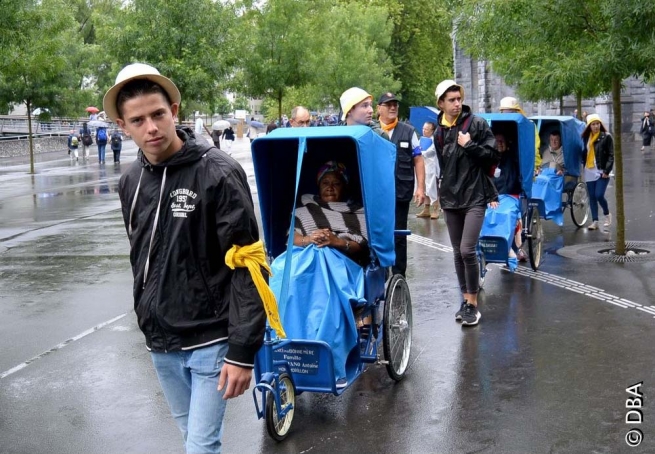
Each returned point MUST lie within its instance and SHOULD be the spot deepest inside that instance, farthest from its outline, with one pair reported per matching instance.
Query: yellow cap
(350, 97)
(510, 103)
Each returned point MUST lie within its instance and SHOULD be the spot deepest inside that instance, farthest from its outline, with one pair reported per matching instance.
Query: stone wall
(484, 90)
(21, 147)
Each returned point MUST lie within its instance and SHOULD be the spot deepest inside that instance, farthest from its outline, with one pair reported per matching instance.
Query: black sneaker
(471, 315)
(460, 312)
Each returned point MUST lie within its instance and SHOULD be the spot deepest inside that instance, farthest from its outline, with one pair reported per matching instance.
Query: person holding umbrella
(93, 112)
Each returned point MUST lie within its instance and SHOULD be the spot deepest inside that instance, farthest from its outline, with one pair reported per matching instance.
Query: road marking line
(558, 281)
(60, 346)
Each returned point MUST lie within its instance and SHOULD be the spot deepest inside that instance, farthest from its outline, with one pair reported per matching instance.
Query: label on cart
(301, 360)
(489, 246)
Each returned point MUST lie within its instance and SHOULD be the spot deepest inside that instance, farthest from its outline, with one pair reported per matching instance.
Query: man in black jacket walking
(409, 161)
(466, 151)
(185, 205)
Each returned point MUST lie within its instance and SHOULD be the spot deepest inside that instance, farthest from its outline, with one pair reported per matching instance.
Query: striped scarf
(345, 219)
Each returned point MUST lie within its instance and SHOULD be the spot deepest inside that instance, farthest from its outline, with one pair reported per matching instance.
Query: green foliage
(421, 49)
(35, 68)
(241, 103)
(556, 48)
(192, 44)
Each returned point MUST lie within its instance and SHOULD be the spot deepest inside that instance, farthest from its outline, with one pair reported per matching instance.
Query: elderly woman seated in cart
(329, 236)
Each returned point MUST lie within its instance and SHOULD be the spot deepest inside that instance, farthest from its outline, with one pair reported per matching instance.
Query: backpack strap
(441, 133)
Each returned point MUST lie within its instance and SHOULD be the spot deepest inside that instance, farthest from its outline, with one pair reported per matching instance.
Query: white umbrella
(98, 124)
(220, 125)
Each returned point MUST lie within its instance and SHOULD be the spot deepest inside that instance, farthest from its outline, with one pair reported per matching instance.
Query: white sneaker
(608, 220)
(593, 226)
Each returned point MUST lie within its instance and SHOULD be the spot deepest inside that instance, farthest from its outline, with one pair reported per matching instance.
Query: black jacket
(189, 298)
(603, 150)
(465, 180)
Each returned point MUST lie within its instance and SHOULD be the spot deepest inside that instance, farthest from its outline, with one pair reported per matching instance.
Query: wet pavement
(546, 371)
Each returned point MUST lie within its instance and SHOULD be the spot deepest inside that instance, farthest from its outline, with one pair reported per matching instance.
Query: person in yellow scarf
(599, 161)
(409, 163)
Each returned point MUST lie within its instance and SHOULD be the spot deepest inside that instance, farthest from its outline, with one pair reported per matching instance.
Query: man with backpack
(466, 150)
(73, 144)
(87, 139)
(101, 141)
(116, 144)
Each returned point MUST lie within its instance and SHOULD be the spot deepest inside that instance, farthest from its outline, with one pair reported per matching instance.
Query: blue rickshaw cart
(499, 225)
(557, 193)
(285, 163)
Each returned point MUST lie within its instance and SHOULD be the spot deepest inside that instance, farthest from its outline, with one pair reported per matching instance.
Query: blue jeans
(189, 380)
(101, 152)
(596, 191)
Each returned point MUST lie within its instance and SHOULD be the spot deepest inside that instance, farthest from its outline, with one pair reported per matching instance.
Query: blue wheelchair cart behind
(550, 196)
(285, 163)
(499, 225)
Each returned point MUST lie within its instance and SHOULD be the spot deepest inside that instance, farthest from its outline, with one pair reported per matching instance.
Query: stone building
(484, 90)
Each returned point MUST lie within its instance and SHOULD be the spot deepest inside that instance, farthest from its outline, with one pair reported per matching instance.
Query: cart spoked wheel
(278, 428)
(397, 327)
(535, 238)
(580, 205)
(482, 261)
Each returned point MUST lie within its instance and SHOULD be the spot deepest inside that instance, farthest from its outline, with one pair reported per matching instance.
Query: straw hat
(137, 71)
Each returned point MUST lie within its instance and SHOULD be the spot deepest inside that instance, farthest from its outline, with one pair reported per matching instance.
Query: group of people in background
(84, 137)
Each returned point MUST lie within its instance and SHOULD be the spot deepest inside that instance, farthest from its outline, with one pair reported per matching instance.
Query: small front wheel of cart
(580, 205)
(535, 238)
(278, 428)
(397, 327)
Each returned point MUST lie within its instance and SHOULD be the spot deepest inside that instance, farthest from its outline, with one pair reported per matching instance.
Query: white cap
(445, 85)
(350, 97)
(137, 71)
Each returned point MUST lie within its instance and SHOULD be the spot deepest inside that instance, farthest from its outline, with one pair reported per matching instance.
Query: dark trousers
(400, 242)
(464, 227)
(117, 155)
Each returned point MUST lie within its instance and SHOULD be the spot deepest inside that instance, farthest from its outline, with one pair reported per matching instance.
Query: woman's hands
(326, 237)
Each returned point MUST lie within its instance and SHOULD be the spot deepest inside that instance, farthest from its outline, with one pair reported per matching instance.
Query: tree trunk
(29, 134)
(279, 107)
(561, 105)
(618, 167)
(578, 104)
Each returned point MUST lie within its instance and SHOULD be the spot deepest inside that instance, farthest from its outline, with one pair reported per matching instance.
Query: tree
(356, 57)
(35, 66)
(191, 44)
(241, 103)
(278, 48)
(420, 50)
(551, 49)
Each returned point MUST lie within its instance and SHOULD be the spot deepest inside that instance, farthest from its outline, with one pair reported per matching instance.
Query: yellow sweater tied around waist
(254, 258)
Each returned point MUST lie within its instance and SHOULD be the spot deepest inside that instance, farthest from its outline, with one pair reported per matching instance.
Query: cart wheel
(482, 262)
(580, 205)
(278, 429)
(397, 327)
(535, 238)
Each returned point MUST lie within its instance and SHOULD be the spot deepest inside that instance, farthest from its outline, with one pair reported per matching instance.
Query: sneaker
(471, 315)
(522, 256)
(460, 312)
(342, 383)
(593, 226)
(608, 220)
